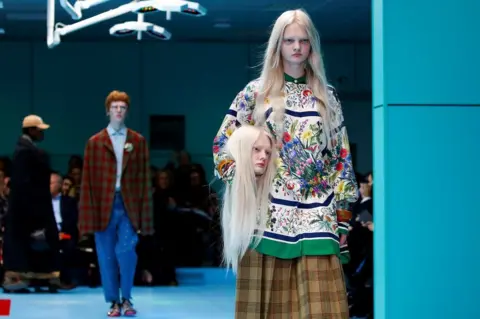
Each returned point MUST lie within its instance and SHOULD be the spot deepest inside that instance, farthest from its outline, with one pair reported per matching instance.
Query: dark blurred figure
(360, 242)
(66, 216)
(197, 205)
(67, 186)
(75, 161)
(5, 165)
(157, 252)
(75, 165)
(4, 190)
(153, 174)
(198, 194)
(181, 166)
(31, 241)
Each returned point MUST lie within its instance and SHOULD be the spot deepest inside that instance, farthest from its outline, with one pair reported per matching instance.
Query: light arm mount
(75, 11)
(55, 32)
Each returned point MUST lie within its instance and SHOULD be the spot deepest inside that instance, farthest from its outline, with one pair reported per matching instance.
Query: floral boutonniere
(128, 147)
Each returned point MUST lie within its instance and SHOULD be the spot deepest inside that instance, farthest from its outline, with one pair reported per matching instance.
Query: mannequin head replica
(245, 200)
(116, 105)
(261, 152)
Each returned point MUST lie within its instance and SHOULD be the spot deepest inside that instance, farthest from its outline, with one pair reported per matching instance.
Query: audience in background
(186, 229)
(67, 186)
(360, 240)
(65, 209)
(4, 190)
(184, 215)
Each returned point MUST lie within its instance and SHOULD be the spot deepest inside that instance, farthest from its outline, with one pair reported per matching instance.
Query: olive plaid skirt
(308, 287)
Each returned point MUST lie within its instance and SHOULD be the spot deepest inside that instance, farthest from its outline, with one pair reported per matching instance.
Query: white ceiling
(250, 20)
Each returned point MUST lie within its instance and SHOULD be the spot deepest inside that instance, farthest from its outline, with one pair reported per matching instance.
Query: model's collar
(28, 139)
(300, 80)
(112, 132)
(364, 199)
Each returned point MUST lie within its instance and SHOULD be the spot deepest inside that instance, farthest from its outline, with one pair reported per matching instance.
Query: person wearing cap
(31, 245)
(116, 201)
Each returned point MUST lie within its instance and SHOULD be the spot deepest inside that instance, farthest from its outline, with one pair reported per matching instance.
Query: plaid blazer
(98, 183)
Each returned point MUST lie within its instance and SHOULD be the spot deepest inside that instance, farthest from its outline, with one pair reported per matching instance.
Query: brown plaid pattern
(309, 287)
(98, 184)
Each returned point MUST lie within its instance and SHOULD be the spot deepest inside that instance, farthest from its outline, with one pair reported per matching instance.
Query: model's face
(295, 45)
(118, 112)
(261, 152)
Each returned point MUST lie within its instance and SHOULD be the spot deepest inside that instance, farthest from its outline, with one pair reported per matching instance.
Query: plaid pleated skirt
(308, 287)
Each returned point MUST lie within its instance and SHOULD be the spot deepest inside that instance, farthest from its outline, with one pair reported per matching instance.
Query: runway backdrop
(67, 87)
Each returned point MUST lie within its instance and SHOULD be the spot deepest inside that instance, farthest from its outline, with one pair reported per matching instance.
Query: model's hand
(343, 239)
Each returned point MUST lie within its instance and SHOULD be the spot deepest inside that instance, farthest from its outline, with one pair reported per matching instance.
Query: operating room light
(55, 31)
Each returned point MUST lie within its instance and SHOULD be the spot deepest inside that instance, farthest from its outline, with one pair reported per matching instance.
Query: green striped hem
(312, 247)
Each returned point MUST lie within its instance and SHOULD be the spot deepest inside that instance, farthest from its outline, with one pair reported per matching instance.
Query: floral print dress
(311, 179)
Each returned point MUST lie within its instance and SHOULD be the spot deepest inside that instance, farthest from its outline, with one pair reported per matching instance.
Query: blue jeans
(116, 253)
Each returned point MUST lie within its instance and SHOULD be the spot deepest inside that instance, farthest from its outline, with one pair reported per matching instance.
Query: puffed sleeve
(345, 184)
(239, 113)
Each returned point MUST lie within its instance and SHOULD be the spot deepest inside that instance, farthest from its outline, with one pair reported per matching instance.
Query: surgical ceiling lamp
(138, 27)
(56, 30)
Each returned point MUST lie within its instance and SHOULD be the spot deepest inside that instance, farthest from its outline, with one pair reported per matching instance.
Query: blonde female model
(293, 271)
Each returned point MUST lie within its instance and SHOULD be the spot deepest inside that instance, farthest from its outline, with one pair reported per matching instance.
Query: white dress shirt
(57, 211)
(118, 139)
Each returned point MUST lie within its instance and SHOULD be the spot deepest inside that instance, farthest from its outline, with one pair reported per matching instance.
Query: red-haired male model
(115, 201)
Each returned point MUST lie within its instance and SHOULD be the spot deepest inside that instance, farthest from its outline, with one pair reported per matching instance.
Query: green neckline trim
(300, 80)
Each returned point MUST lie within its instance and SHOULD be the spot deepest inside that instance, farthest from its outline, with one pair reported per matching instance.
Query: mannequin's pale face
(117, 113)
(261, 152)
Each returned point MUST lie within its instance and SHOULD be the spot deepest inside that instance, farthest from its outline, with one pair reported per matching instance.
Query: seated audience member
(156, 254)
(67, 186)
(196, 208)
(166, 225)
(4, 188)
(361, 247)
(66, 215)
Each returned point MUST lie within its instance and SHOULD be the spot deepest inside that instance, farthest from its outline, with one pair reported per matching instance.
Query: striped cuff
(343, 227)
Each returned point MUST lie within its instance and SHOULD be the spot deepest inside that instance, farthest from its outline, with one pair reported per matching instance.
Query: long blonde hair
(272, 79)
(245, 199)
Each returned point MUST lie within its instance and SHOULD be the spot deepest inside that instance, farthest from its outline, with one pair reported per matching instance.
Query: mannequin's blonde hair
(272, 79)
(246, 198)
